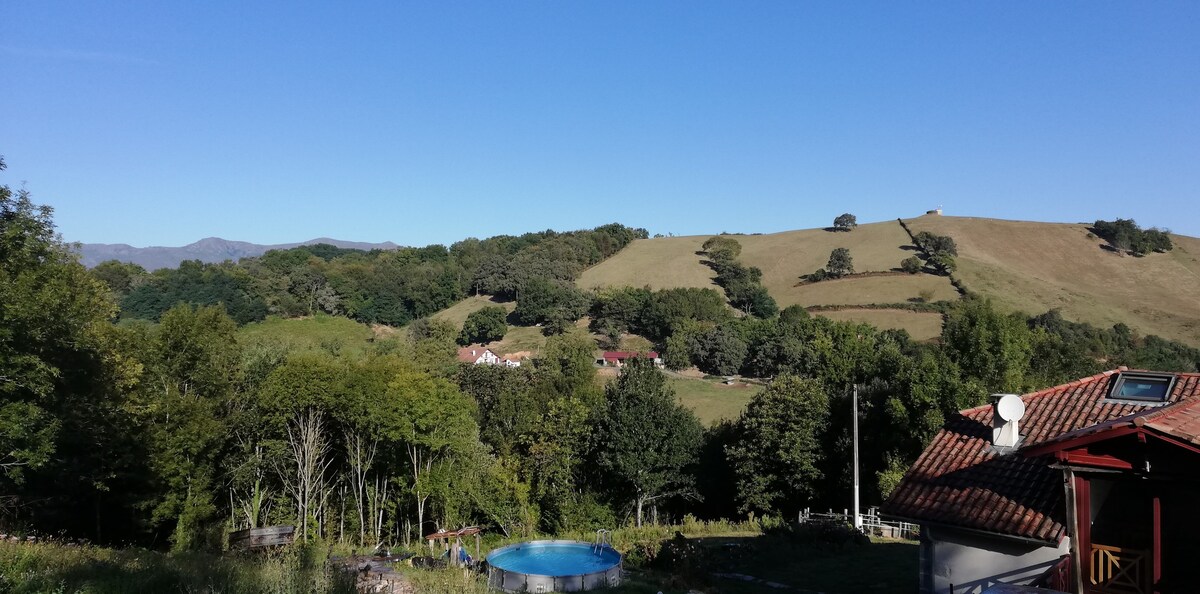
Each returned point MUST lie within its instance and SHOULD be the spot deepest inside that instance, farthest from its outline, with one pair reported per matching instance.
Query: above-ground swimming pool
(553, 566)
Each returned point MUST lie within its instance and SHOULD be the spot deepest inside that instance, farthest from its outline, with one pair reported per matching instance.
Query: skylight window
(1143, 387)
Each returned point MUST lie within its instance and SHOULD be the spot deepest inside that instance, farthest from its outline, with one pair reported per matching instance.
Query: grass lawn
(882, 566)
(713, 401)
(321, 332)
(804, 566)
(27, 568)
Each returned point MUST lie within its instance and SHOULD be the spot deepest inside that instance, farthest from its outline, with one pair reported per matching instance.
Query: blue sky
(159, 123)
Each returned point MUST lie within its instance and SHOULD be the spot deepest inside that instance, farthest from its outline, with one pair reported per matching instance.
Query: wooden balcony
(1116, 570)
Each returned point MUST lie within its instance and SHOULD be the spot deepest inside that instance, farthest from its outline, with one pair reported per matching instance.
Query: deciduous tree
(778, 450)
(840, 263)
(484, 325)
(845, 222)
(647, 438)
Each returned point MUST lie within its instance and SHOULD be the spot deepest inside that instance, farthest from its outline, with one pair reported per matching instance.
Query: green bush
(911, 265)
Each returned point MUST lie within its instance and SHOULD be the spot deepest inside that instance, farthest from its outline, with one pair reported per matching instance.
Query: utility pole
(857, 516)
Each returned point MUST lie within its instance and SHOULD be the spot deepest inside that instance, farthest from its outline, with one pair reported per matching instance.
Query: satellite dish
(1010, 407)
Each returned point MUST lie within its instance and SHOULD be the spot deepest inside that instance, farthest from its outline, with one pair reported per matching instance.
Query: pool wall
(515, 581)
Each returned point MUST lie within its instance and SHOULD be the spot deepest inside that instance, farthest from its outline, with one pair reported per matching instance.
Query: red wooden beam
(1156, 551)
(1069, 444)
(1085, 458)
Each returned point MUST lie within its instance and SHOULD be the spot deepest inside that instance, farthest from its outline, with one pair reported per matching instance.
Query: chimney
(1007, 411)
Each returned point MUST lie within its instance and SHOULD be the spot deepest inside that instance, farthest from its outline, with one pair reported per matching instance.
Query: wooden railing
(1057, 577)
(1119, 571)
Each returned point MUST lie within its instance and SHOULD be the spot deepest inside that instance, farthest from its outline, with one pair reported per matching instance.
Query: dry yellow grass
(1033, 267)
(898, 288)
(785, 257)
(920, 325)
(668, 262)
(660, 263)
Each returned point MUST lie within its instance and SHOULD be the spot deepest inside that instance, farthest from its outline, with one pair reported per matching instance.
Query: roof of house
(959, 480)
(471, 354)
(629, 355)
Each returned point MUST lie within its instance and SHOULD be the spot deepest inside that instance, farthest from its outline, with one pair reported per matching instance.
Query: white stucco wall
(973, 562)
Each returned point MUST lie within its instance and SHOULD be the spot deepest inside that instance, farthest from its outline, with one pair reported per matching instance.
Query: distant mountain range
(209, 249)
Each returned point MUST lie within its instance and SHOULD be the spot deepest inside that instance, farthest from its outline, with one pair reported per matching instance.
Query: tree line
(392, 287)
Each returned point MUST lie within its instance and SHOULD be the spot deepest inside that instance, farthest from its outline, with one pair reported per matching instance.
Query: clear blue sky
(158, 123)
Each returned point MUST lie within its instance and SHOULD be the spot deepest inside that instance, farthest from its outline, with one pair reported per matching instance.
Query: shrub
(911, 265)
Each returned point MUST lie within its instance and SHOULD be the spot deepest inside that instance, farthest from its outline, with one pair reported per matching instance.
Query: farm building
(618, 358)
(1085, 487)
(477, 355)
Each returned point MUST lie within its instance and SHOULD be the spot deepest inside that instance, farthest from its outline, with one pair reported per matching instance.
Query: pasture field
(668, 262)
(659, 263)
(711, 400)
(1034, 267)
(862, 290)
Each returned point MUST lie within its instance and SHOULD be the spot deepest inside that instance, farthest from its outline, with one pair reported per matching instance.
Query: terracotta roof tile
(960, 481)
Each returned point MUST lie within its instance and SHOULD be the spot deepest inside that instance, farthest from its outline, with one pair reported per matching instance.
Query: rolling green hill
(1025, 266)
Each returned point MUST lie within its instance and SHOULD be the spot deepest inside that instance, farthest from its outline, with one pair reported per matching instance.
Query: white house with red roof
(1097, 489)
(477, 355)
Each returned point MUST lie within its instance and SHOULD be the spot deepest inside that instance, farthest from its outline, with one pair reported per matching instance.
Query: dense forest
(390, 287)
(131, 412)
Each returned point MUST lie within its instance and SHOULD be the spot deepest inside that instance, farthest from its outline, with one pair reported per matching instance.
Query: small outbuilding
(619, 358)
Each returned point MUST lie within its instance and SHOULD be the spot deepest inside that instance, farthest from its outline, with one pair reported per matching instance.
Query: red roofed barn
(618, 358)
(1099, 494)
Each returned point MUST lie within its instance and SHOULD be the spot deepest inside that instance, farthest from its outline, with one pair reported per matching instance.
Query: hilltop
(1023, 266)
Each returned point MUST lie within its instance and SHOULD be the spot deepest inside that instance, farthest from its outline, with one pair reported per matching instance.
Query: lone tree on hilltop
(840, 263)
(845, 222)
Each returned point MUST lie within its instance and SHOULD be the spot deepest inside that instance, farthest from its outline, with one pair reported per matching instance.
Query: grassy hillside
(784, 258)
(660, 263)
(1034, 267)
(1026, 266)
